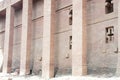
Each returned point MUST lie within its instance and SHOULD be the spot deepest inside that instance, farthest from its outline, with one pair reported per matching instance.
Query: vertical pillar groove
(118, 62)
(26, 37)
(8, 42)
(79, 65)
(48, 39)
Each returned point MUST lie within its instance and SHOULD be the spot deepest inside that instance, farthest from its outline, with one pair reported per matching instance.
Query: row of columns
(79, 66)
(25, 41)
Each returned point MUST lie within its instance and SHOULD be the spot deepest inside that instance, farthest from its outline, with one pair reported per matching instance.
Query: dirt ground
(58, 78)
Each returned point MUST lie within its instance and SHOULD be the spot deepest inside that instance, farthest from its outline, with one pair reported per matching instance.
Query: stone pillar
(26, 37)
(48, 39)
(79, 65)
(8, 42)
(118, 63)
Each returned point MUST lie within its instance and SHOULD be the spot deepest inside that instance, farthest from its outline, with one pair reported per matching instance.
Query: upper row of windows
(109, 7)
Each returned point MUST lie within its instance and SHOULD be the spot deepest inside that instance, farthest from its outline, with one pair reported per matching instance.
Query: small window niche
(70, 42)
(109, 7)
(109, 34)
(70, 17)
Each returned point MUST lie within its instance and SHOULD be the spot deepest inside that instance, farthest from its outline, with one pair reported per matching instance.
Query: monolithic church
(51, 38)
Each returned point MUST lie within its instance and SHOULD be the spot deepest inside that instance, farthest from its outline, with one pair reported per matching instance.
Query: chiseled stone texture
(37, 59)
(96, 11)
(101, 57)
(63, 53)
(63, 3)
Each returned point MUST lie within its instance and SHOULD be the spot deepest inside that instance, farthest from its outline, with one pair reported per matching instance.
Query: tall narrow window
(109, 7)
(109, 34)
(70, 42)
(70, 17)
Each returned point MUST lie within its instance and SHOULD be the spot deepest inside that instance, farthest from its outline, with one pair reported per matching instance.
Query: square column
(8, 42)
(48, 39)
(118, 62)
(26, 37)
(79, 66)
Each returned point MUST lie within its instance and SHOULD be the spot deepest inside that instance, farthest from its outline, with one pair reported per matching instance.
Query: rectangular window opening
(70, 17)
(109, 7)
(70, 42)
(109, 34)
